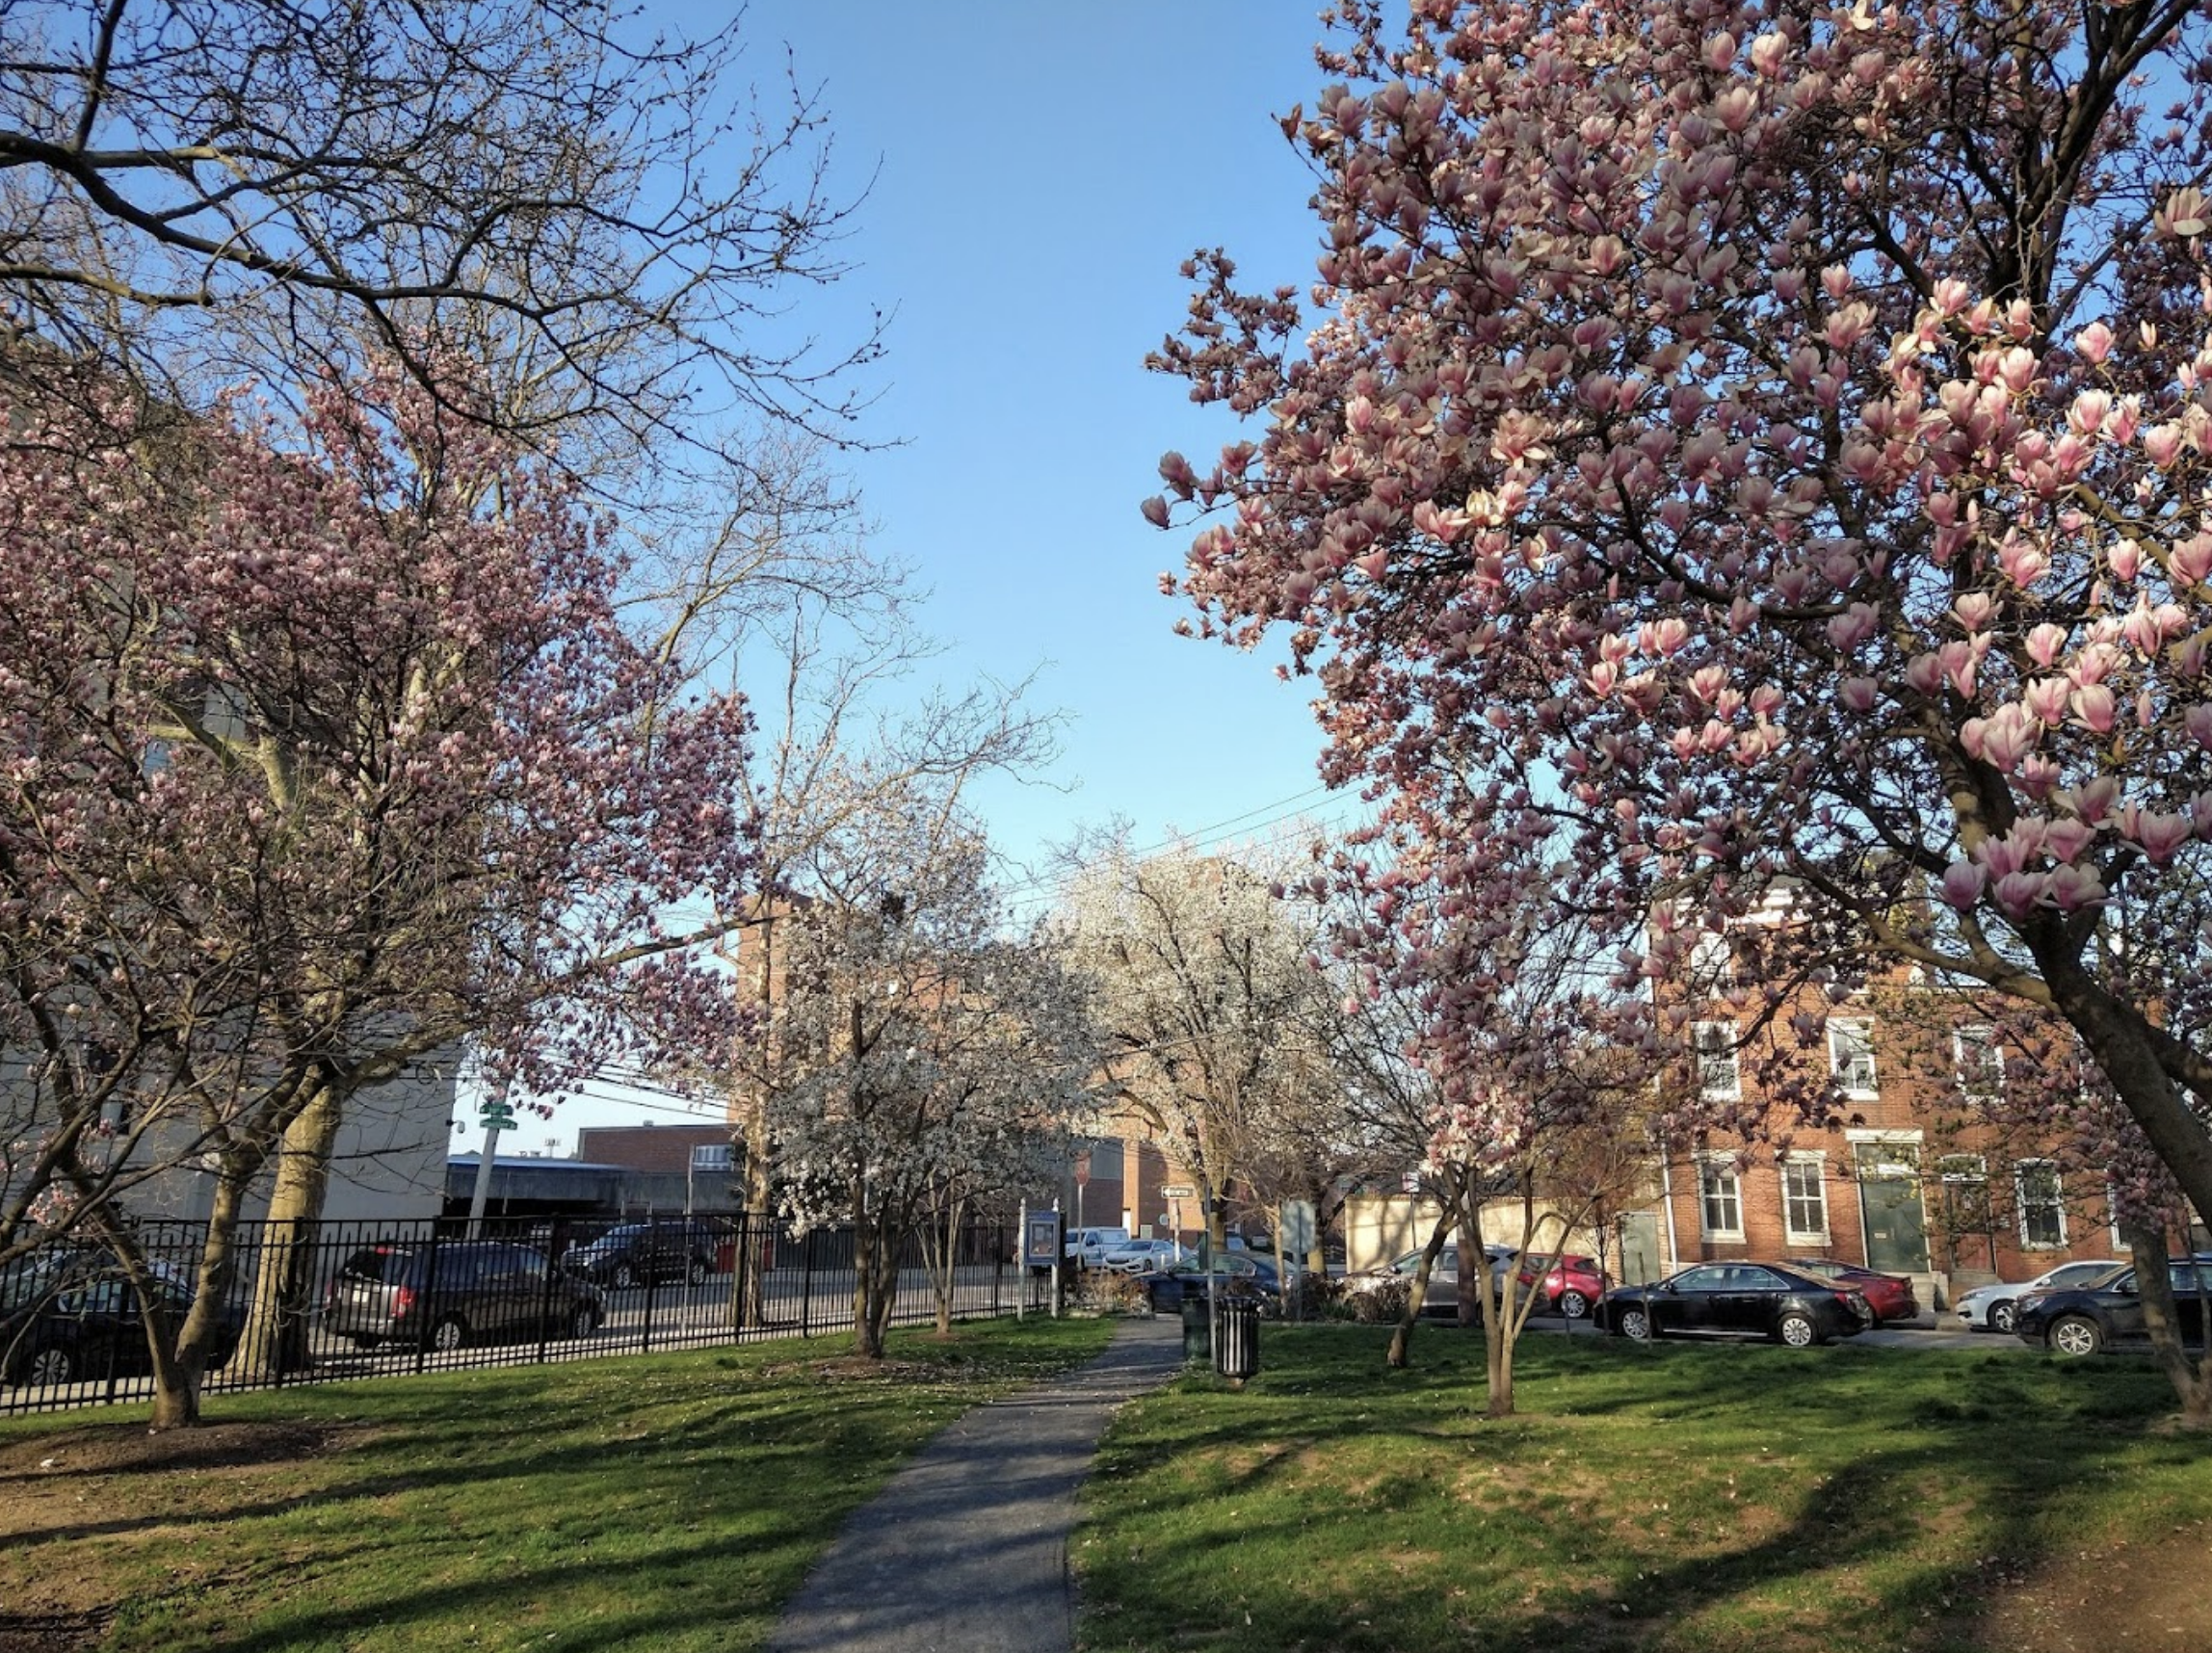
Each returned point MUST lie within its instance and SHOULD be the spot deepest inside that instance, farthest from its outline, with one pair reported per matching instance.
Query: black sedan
(72, 1317)
(2087, 1319)
(1241, 1276)
(1736, 1299)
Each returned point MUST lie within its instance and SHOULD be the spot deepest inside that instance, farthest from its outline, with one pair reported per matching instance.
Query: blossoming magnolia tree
(319, 763)
(1773, 439)
(1484, 1037)
(926, 1057)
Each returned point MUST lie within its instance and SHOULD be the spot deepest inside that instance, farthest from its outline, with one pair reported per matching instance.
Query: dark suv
(443, 1293)
(71, 1316)
(2087, 1320)
(633, 1253)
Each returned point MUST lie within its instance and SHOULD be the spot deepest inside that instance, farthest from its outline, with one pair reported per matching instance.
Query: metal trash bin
(1238, 1355)
(1197, 1333)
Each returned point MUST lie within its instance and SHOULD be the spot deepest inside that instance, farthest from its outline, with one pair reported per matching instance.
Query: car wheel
(2005, 1316)
(583, 1321)
(696, 1272)
(2074, 1335)
(1636, 1323)
(449, 1334)
(49, 1369)
(624, 1276)
(1573, 1304)
(1797, 1330)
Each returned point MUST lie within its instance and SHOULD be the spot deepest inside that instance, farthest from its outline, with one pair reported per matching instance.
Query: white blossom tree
(927, 1059)
(1205, 996)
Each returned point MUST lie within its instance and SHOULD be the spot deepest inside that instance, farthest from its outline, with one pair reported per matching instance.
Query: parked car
(634, 1253)
(1567, 1285)
(1442, 1297)
(71, 1316)
(1992, 1308)
(1144, 1256)
(1086, 1248)
(443, 1295)
(1736, 1299)
(2075, 1321)
(1241, 1273)
(1889, 1295)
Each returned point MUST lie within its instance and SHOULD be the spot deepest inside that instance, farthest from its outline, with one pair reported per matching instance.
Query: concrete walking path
(965, 1550)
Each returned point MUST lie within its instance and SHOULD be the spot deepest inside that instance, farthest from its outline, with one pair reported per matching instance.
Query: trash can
(1198, 1334)
(1238, 1355)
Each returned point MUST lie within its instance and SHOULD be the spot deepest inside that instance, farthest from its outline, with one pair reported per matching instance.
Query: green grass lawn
(664, 1502)
(1687, 1497)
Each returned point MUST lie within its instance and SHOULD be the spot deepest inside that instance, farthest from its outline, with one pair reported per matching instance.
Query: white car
(1990, 1308)
(1085, 1247)
(1144, 1256)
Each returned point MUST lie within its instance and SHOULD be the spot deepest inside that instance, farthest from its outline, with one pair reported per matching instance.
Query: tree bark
(276, 1335)
(2192, 1380)
(1401, 1352)
(180, 1352)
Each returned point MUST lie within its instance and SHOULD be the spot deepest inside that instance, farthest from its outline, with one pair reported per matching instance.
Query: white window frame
(1817, 1164)
(713, 1157)
(1852, 1079)
(1711, 1173)
(2056, 1204)
(1712, 965)
(1983, 1074)
(1715, 1043)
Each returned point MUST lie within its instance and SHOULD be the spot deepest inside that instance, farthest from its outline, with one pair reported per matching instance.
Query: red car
(1569, 1285)
(1889, 1295)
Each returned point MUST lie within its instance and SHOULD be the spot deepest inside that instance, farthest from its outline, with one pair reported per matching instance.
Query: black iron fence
(372, 1299)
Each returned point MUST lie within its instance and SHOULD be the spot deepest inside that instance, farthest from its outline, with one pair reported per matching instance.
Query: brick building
(1910, 1176)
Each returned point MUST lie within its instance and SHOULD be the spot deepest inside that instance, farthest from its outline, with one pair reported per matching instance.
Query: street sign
(497, 1117)
(1296, 1226)
(1178, 1191)
(1081, 1171)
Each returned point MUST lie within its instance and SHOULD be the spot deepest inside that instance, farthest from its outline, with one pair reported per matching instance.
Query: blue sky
(1039, 172)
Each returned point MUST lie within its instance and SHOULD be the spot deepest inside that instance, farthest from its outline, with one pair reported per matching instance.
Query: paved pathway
(965, 1550)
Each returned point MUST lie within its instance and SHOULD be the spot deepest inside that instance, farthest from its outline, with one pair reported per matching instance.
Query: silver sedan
(1990, 1308)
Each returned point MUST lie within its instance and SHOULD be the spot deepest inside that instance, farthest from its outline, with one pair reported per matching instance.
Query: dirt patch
(122, 1449)
(52, 1632)
(852, 1369)
(2117, 1597)
(101, 1477)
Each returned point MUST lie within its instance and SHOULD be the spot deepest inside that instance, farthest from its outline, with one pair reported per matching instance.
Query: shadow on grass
(1684, 1497)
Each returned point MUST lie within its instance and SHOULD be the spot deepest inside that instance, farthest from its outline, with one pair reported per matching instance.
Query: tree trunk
(2192, 1380)
(1401, 1352)
(276, 1335)
(180, 1352)
(749, 1285)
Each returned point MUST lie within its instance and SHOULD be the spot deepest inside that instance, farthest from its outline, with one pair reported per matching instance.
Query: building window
(1719, 1198)
(1980, 1062)
(1718, 1078)
(711, 1157)
(1962, 1211)
(2043, 1204)
(1804, 1198)
(1851, 1055)
(1712, 967)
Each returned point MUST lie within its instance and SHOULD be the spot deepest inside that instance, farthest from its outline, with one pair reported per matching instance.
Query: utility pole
(497, 1115)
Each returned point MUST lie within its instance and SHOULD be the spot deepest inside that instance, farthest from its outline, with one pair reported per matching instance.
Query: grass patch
(1677, 1499)
(662, 1502)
